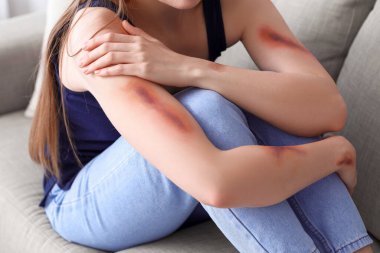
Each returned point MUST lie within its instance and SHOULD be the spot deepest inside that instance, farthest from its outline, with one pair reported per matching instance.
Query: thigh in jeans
(325, 208)
(118, 201)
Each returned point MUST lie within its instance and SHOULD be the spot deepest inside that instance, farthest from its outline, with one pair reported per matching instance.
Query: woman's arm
(161, 129)
(302, 104)
(293, 91)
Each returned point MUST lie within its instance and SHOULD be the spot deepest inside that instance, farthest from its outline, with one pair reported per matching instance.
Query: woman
(131, 154)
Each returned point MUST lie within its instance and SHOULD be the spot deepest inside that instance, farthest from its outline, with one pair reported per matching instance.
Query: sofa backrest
(359, 83)
(326, 27)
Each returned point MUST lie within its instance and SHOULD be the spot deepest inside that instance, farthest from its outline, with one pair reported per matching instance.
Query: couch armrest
(20, 46)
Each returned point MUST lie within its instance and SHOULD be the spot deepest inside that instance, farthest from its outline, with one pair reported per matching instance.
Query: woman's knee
(202, 102)
(223, 122)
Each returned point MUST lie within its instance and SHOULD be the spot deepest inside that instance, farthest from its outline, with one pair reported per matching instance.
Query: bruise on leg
(275, 39)
(172, 116)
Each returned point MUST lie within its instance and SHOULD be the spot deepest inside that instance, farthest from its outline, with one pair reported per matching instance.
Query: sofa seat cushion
(24, 226)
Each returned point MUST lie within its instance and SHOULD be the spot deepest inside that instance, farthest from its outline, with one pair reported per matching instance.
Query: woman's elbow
(339, 117)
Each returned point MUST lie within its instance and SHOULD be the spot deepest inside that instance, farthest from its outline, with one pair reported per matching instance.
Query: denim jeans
(119, 200)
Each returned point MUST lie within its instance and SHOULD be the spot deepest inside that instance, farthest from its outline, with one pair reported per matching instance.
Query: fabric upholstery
(20, 41)
(23, 225)
(326, 27)
(359, 83)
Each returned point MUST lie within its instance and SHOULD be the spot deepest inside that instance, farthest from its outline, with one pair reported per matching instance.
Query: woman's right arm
(166, 134)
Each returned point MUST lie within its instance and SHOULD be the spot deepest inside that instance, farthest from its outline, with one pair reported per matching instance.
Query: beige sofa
(343, 34)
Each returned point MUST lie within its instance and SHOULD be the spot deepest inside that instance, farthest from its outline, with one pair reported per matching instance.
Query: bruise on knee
(274, 39)
(171, 116)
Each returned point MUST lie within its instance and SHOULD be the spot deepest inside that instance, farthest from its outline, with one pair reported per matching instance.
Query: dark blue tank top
(90, 129)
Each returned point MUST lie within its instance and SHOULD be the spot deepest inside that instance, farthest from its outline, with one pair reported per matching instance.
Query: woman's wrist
(197, 71)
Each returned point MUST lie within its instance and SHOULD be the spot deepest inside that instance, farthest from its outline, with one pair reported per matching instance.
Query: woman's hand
(135, 54)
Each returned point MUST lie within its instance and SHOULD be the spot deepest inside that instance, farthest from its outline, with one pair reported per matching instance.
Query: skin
(171, 116)
(292, 91)
(279, 152)
(216, 67)
(265, 175)
(275, 39)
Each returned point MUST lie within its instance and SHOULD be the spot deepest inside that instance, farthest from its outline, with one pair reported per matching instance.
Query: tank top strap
(215, 28)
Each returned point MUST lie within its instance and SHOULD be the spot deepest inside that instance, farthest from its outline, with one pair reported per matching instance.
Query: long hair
(50, 112)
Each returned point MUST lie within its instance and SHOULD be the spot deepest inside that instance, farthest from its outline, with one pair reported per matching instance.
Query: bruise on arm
(346, 160)
(279, 152)
(273, 38)
(148, 96)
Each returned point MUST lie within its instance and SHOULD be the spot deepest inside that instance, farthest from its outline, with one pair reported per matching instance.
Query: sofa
(343, 34)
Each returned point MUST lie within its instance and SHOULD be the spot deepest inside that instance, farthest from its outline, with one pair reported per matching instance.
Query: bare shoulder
(89, 21)
(86, 23)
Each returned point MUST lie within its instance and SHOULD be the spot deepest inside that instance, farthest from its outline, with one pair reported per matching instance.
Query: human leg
(325, 208)
(266, 229)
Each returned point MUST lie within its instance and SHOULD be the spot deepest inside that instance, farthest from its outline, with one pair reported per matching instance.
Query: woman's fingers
(111, 58)
(109, 37)
(104, 49)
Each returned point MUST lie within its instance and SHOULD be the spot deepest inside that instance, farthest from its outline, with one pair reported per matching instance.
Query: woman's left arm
(293, 91)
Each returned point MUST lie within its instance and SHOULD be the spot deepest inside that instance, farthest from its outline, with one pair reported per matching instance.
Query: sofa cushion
(24, 226)
(326, 27)
(359, 83)
(20, 40)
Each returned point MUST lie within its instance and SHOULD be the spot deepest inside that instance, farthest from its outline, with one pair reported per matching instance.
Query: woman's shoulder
(90, 21)
(86, 23)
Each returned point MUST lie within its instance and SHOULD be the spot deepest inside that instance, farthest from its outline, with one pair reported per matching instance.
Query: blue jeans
(119, 200)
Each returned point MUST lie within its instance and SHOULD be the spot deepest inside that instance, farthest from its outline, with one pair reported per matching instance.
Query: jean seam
(305, 220)
(245, 227)
(352, 242)
(94, 188)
